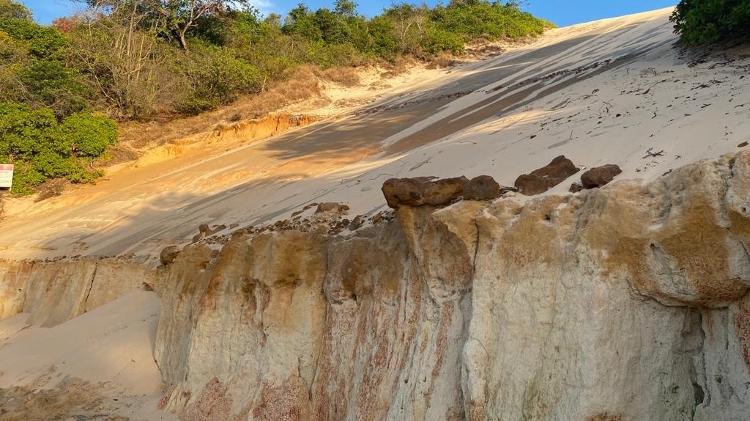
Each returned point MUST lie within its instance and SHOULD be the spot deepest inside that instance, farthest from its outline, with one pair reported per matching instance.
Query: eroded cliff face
(627, 302)
(54, 292)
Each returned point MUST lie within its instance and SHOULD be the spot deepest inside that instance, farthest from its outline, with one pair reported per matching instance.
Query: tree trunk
(183, 39)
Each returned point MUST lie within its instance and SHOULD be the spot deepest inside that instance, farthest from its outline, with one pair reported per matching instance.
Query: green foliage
(214, 76)
(49, 82)
(89, 135)
(43, 148)
(12, 10)
(708, 21)
(42, 41)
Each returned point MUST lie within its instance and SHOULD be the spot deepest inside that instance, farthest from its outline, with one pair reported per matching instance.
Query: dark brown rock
(543, 179)
(483, 187)
(204, 229)
(168, 255)
(599, 176)
(575, 187)
(742, 145)
(423, 191)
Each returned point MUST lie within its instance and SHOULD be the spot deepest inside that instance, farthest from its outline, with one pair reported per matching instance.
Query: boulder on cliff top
(168, 255)
(599, 176)
(423, 191)
(543, 179)
(483, 188)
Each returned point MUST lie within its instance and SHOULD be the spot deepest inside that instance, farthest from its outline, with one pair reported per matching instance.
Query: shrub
(42, 148)
(12, 10)
(214, 77)
(42, 41)
(708, 21)
(49, 82)
(89, 135)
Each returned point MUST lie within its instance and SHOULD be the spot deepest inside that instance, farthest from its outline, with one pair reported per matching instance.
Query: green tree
(708, 21)
(347, 8)
(10, 9)
(177, 18)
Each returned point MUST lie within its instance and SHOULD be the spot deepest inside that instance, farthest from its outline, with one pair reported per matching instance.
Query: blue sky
(562, 12)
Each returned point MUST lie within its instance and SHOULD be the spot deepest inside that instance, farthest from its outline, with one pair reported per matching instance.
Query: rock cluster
(430, 191)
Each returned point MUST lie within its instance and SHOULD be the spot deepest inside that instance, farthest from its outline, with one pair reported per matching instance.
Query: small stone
(575, 187)
(204, 229)
(742, 145)
(356, 223)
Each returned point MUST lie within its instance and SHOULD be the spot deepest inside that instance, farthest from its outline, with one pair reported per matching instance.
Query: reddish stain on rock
(212, 404)
(742, 324)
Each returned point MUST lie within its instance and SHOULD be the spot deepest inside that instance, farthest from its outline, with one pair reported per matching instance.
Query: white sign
(6, 176)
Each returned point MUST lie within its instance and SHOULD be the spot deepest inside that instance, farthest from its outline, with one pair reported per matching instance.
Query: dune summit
(374, 265)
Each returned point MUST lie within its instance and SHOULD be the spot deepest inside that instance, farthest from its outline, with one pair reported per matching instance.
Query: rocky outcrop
(543, 179)
(629, 302)
(624, 303)
(168, 255)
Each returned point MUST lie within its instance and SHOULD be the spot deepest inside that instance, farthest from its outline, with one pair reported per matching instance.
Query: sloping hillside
(603, 92)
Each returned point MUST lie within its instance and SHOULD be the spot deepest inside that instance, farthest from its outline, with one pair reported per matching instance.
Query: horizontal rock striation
(625, 302)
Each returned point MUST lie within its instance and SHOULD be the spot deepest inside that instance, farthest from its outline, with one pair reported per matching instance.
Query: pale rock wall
(54, 292)
(627, 302)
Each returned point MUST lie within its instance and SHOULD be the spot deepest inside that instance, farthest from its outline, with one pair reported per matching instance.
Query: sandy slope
(100, 363)
(603, 92)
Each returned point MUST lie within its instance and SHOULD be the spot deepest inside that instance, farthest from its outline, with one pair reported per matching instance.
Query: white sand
(110, 347)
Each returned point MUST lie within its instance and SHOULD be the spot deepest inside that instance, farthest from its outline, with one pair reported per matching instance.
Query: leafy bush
(89, 135)
(43, 148)
(49, 82)
(42, 41)
(12, 10)
(708, 21)
(214, 77)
